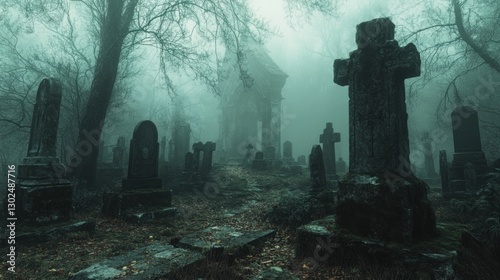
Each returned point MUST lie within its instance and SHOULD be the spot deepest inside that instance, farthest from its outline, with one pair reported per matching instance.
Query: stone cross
(328, 139)
(375, 74)
(317, 168)
(206, 164)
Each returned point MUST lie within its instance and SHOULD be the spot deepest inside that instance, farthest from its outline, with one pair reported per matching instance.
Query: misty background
(304, 46)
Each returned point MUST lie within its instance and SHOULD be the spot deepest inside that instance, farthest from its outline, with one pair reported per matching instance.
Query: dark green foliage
(296, 208)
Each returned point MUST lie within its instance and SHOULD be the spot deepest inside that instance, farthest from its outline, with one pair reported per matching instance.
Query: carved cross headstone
(206, 164)
(287, 151)
(328, 139)
(375, 74)
(379, 190)
(143, 158)
(317, 168)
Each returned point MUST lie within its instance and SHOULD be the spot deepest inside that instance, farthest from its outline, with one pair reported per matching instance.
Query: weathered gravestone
(468, 151)
(142, 189)
(302, 160)
(328, 139)
(380, 197)
(206, 163)
(317, 168)
(259, 163)
(45, 196)
(341, 165)
(287, 151)
(181, 139)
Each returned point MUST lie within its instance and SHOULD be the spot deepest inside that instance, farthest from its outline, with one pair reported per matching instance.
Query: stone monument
(45, 196)
(142, 189)
(381, 197)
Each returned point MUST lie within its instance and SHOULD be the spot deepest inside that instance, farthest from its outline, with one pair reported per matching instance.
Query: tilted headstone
(467, 144)
(45, 196)
(341, 165)
(317, 168)
(118, 152)
(143, 158)
(302, 160)
(163, 143)
(378, 139)
(287, 151)
(328, 139)
(206, 164)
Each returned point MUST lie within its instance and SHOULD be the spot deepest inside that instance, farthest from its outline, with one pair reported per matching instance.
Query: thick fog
(303, 46)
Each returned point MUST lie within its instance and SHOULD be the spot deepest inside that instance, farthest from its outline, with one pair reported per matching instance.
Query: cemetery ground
(247, 200)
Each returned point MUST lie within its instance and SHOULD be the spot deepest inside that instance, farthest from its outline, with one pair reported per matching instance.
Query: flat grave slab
(221, 241)
(150, 262)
